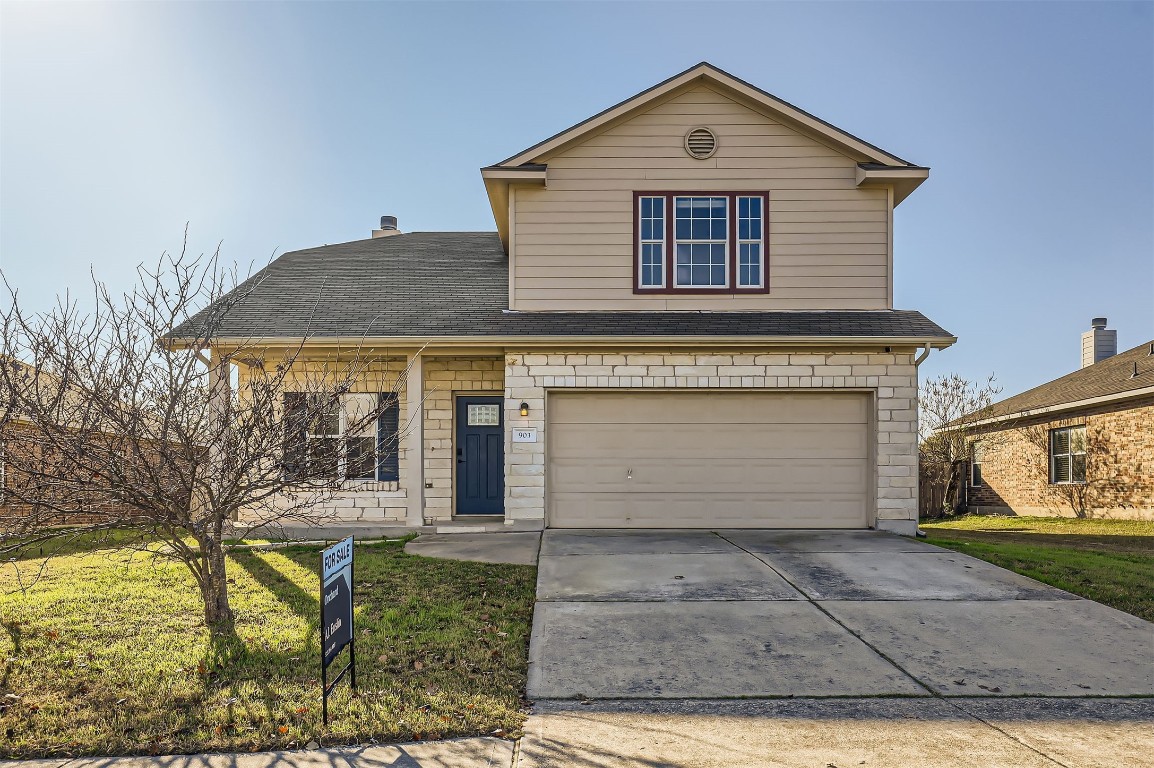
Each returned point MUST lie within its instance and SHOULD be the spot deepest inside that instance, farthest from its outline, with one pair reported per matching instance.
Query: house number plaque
(524, 435)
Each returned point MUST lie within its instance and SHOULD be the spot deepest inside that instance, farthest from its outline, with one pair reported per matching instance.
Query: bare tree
(949, 409)
(111, 424)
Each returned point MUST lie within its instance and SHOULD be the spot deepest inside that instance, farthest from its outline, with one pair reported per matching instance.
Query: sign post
(336, 617)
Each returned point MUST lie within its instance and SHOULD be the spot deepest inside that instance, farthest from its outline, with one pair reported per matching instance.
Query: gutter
(934, 342)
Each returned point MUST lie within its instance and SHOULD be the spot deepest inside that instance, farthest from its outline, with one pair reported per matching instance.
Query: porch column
(414, 440)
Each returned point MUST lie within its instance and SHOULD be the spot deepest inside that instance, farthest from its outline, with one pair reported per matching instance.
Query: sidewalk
(456, 753)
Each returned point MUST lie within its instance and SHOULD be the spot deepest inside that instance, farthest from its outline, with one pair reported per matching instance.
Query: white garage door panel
(754, 475)
(709, 511)
(722, 440)
(708, 459)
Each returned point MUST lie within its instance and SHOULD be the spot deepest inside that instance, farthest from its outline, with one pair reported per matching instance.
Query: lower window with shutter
(354, 437)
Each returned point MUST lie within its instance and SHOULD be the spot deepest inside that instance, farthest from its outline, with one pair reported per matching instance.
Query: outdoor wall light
(524, 409)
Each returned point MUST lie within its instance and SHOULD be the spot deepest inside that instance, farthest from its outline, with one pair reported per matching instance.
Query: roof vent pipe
(1098, 343)
(388, 227)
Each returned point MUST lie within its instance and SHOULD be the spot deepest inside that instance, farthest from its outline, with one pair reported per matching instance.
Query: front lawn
(107, 654)
(1110, 561)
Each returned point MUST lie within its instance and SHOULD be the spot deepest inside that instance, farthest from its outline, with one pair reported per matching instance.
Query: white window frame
(1069, 454)
(726, 283)
(342, 435)
(642, 242)
(759, 242)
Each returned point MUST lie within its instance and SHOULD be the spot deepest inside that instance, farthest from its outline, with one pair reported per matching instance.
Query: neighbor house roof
(435, 286)
(1108, 381)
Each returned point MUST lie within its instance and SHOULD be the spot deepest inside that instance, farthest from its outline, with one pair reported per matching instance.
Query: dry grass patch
(107, 654)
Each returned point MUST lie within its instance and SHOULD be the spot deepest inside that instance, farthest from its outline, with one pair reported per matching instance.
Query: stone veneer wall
(1120, 471)
(367, 501)
(893, 377)
(443, 379)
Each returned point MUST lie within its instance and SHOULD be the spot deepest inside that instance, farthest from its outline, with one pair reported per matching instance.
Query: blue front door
(480, 456)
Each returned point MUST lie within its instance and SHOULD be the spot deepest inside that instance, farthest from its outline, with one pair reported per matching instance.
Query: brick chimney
(1098, 343)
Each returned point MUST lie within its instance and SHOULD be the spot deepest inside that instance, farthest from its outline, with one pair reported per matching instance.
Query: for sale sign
(336, 599)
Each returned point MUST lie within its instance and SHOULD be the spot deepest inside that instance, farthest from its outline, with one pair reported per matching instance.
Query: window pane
(360, 458)
(646, 206)
(1061, 469)
(683, 274)
(1078, 468)
(718, 276)
(717, 229)
(483, 415)
(323, 456)
(753, 276)
(327, 418)
(682, 230)
(1078, 440)
(359, 414)
(1060, 441)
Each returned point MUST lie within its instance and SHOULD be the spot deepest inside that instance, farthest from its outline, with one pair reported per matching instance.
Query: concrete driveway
(641, 624)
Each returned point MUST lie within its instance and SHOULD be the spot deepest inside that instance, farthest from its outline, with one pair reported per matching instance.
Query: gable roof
(875, 165)
(709, 73)
(453, 287)
(1110, 380)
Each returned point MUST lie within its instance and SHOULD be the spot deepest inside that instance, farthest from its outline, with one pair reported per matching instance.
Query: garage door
(708, 460)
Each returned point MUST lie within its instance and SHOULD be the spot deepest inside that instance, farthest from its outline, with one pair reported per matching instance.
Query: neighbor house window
(700, 243)
(1068, 455)
(340, 437)
(976, 464)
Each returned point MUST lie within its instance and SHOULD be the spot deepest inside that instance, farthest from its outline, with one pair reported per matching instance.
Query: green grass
(1110, 561)
(107, 654)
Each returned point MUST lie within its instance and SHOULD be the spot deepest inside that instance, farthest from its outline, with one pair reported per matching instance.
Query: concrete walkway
(516, 548)
(456, 753)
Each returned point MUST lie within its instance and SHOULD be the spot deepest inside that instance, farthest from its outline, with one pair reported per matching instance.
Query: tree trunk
(218, 615)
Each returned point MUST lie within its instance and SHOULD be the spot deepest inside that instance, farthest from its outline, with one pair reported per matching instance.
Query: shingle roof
(1112, 376)
(436, 284)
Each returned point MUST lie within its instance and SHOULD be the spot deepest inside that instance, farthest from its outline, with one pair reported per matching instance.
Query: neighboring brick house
(1080, 445)
(683, 320)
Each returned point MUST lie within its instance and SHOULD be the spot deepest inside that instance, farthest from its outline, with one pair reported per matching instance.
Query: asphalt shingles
(429, 284)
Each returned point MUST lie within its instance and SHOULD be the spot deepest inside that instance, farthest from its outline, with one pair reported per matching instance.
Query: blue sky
(275, 126)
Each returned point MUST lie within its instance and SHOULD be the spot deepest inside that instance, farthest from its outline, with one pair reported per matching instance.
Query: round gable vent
(701, 143)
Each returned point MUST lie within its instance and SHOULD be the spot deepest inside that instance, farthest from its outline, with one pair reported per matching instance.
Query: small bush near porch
(109, 655)
(1110, 561)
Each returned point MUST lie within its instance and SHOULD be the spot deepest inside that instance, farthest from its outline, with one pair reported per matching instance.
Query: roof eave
(903, 179)
(373, 342)
(497, 182)
(1073, 405)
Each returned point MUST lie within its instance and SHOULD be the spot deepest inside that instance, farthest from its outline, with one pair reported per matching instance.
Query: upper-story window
(701, 242)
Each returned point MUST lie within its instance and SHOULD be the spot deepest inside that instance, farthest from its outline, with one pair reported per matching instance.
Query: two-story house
(683, 320)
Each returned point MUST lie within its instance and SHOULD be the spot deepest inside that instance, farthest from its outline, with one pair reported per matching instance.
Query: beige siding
(828, 239)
